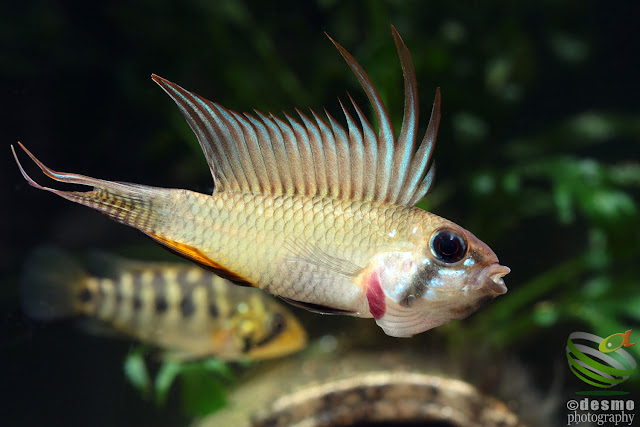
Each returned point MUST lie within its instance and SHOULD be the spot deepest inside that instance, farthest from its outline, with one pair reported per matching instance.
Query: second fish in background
(183, 309)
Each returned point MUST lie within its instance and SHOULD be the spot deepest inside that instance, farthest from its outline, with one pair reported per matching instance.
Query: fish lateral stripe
(375, 296)
(158, 302)
(89, 296)
(187, 306)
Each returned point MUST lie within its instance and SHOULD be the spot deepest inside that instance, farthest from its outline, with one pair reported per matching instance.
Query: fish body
(321, 216)
(184, 309)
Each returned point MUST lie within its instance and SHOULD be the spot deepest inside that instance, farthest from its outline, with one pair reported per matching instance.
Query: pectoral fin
(300, 250)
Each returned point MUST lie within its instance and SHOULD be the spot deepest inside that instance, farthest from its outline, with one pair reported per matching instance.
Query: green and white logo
(600, 362)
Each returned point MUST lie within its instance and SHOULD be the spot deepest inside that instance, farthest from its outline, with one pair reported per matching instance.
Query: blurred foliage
(537, 155)
(204, 383)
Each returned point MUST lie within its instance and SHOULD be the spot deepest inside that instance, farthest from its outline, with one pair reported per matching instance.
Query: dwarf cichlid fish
(181, 308)
(319, 215)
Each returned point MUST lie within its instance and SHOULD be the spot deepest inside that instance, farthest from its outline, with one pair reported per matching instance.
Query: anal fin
(192, 254)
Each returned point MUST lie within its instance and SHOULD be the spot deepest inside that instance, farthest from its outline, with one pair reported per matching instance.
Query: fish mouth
(491, 281)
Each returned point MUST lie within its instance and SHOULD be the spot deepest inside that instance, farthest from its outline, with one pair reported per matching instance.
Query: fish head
(447, 275)
(269, 333)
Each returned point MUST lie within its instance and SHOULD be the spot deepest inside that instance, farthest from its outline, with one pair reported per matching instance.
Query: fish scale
(364, 226)
(317, 214)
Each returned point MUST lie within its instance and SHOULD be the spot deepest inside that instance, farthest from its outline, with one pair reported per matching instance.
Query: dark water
(77, 93)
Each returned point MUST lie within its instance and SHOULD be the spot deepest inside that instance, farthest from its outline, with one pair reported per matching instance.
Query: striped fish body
(317, 214)
(178, 307)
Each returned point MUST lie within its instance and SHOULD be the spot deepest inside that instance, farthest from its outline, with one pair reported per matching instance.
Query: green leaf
(597, 287)
(219, 367)
(631, 307)
(135, 370)
(609, 204)
(164, 380)
(563, 200)
(545, 314)
(202, 393)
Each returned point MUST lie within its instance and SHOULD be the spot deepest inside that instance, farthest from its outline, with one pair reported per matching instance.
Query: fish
(616, 341)
(321, 216)
(186, 311)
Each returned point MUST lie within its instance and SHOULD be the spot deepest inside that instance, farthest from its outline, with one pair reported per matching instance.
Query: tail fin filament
(136, 205)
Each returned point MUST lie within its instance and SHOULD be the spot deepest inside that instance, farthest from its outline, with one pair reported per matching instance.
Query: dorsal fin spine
(230, 141)
(370, 154)
(220, 161)
(267, 151)
(295, 161)
(342, 152)
(198, 127)
(417, 170)
(251, 140)
(306, 155)
(195, 112)
(315, 141)
(406, 142)
(280, 152)
(316, 156)
(356, 151)
(330, 157)
(424, 187)
(244, 153)
(386, 136)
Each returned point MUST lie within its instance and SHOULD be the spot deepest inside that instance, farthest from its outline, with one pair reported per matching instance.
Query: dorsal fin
(317, 156)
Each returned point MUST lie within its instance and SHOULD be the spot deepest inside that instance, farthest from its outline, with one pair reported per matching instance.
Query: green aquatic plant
(557, 191)
(203, 384)
(590, 208)
(537, 150)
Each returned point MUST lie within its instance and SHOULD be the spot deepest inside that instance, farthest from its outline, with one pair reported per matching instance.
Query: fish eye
(448, 246)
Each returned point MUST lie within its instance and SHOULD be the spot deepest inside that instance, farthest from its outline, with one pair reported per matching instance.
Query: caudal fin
(166, 215)
(52, 283)
(139, 206)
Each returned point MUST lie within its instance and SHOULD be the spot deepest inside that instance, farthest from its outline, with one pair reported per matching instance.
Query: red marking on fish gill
(375, 296)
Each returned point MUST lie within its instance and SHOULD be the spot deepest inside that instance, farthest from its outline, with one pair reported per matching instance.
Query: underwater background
(538, 154)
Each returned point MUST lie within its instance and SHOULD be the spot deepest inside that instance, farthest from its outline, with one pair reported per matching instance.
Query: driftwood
(319, 388)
